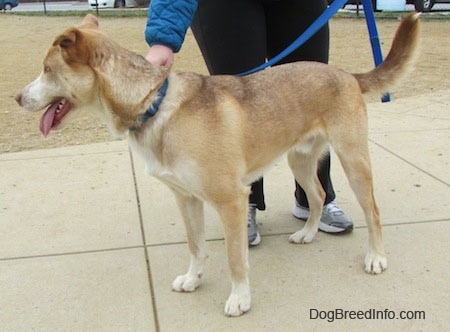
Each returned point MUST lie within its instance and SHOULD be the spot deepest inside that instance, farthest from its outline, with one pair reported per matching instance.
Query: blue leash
(308, 33)
(374, 39)
(318, 24)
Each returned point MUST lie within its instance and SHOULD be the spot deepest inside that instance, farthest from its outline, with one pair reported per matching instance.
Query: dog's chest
(181, 175)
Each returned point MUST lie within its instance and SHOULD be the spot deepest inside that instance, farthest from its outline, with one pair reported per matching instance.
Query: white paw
(186, 283)
(375, 263)
(302, 236)
(237, 304)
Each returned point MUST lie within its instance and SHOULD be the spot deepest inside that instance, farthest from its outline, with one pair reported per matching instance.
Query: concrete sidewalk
(89, 243)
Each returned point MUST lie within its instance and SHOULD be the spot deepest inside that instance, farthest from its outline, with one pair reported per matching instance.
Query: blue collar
(153, 108)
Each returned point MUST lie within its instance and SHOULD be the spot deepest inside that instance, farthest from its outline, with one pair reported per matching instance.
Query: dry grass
(25, 41)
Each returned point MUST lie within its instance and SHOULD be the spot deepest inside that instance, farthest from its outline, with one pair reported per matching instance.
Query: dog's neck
(153, 108)
(129, 84)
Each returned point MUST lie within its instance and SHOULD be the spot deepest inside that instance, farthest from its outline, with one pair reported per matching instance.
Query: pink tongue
(47, 119)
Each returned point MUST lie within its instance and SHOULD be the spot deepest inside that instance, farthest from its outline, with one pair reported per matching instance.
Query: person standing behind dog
(235, 36)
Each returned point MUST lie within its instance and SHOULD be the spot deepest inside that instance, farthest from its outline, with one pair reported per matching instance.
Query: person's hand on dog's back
(160, 55)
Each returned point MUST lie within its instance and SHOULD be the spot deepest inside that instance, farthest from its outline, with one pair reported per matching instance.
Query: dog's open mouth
(53, 116)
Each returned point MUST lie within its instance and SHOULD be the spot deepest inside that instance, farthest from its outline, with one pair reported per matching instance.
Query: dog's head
(86, 69)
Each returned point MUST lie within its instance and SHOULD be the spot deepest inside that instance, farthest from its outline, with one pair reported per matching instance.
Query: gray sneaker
(333, 220)
(253, 235)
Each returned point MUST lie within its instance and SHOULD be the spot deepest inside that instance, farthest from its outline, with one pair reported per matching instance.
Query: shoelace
(332, 209)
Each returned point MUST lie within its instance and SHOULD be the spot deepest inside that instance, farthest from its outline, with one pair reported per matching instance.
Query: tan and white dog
(212, 136)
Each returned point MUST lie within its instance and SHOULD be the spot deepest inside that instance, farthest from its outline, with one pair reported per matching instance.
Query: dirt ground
(24, 42)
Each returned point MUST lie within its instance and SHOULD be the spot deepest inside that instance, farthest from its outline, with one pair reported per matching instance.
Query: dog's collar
(153, 108)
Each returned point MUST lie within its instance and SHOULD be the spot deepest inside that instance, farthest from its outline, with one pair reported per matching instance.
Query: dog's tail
(398, 61)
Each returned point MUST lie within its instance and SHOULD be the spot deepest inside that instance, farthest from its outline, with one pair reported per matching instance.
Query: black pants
(238, 35)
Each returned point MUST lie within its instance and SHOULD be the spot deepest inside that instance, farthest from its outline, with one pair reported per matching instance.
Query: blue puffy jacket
(168, 21)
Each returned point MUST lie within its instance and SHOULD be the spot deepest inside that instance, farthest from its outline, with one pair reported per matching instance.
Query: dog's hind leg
(354, 157)
(192, 213)
(303, 161)
(233, 213)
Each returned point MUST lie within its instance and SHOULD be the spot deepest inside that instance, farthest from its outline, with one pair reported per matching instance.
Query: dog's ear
(75, 42)
(73, 45)
(90, 21)
(70, 38)
(67, 39)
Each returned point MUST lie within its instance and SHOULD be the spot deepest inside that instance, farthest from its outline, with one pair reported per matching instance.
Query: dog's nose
(18, 98)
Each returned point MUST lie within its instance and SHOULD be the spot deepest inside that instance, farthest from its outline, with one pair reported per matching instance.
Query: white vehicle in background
(419, 5)
(112, 3)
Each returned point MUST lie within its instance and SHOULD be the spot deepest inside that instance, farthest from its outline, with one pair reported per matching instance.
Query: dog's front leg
(233, 215)
(304, 168)
(191, 209)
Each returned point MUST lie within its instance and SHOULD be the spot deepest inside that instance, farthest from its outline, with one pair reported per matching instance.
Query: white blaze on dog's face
(64, 79)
